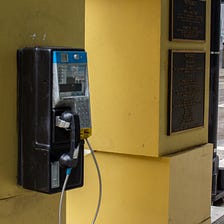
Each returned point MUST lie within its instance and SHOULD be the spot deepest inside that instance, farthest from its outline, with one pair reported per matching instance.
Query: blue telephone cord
(68, 172)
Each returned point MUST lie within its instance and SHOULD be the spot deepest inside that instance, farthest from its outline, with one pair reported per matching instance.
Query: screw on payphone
(53, 116)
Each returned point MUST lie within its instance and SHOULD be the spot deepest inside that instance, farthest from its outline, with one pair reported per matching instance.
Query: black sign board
(186, 90)
(188, 20)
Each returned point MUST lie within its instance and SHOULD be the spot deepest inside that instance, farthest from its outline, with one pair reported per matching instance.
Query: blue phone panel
(69, 57)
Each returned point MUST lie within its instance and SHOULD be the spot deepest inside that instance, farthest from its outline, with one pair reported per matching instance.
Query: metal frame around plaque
(186, 19)
(183, 104)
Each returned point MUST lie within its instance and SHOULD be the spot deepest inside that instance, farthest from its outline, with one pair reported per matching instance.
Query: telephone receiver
(70, 122)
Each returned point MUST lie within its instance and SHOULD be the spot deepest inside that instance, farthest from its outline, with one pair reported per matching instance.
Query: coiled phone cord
(68, 171)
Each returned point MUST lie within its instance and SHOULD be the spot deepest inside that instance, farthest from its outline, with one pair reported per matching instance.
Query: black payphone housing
(41, 142)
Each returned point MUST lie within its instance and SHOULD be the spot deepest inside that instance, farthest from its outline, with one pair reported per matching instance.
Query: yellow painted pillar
(128, 43)
(148, 176)
(29, 23)
(143, 190)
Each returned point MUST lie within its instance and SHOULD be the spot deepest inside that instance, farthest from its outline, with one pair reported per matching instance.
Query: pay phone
(53, 117)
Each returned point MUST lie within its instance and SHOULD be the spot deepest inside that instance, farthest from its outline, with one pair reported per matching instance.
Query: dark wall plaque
(186, 90)
(188, 19)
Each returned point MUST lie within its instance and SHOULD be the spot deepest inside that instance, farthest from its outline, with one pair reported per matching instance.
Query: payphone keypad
(83, 109)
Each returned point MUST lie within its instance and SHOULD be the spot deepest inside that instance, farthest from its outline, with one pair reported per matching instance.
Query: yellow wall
(142, 190)
(28, 23)
(127, 45)
(190, 185)
(123, 44)
(130, 191)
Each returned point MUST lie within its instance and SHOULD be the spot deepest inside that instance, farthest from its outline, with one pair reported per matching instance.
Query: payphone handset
(71, 88)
